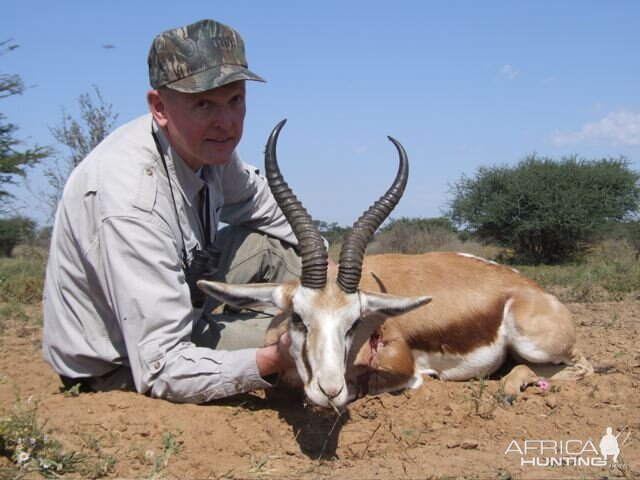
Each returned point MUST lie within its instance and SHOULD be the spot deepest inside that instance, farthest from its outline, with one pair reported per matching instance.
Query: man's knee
(233, 331)
(249, 256)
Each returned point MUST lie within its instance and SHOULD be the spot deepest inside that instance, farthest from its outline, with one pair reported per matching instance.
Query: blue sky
(461, 84)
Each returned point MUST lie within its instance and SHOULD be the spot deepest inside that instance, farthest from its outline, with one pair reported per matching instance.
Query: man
(138, 224)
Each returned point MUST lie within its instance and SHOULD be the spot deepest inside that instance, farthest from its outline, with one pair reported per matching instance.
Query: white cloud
(618, 128)
(509, 72)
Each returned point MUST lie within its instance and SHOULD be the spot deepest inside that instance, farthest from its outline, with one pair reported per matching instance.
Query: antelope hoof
(517, 382)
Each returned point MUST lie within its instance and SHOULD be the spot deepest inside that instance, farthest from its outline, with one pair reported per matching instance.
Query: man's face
(204, 128)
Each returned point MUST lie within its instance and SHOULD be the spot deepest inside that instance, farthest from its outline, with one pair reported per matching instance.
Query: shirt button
(156, 365)
(148, 171)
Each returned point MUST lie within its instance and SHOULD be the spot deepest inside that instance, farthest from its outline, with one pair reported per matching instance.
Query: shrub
(546, 211)
(22, 279)
(414, 235)
(606, 274)
(14, 231)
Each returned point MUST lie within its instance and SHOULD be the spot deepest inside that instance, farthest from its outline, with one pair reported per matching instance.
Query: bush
(421, 235)
(630, 232)
(605, 274)
(414, 235)
(22, 279)
(546, 211)
(335, 235)
(13, 231)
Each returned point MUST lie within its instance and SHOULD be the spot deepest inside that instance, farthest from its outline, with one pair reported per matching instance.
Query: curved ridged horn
(312, 248)
(352, 252)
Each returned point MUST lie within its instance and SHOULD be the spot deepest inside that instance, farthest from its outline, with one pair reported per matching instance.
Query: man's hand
(275, 358)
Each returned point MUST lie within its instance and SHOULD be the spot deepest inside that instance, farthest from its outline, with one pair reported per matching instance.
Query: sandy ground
(440, 430)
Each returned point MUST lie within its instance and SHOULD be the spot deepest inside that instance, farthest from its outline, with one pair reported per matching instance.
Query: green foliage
(547, 211)
(13, 160)
(608, 273)
(332, 232)
(22, 279)
(23, 440)
(171, 446)
(335, 235)
(13, 231)
(420, 224)
(629, 232)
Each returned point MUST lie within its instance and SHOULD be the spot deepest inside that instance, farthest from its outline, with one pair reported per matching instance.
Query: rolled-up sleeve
(151, 302)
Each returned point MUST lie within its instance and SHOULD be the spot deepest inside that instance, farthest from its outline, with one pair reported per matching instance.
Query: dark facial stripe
(305, 360)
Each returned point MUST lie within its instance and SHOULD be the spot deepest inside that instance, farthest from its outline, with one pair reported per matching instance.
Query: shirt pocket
(153, 360)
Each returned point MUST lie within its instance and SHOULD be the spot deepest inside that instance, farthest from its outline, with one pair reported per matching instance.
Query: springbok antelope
(350, 336)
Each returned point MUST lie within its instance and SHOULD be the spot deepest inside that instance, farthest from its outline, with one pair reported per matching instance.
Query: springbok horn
(312, 248)
(352, 252)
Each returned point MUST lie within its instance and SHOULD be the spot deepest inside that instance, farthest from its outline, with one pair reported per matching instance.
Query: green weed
(22, 279)
(609, 273)
(171, 446)
(24, 442)
(484, 403)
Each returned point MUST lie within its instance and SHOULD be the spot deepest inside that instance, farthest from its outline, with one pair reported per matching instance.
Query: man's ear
(158, 107)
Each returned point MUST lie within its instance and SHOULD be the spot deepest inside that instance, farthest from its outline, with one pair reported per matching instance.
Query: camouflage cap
(198, 57)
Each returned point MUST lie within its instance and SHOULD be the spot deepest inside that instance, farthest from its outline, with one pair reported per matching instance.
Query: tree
(14, 231)
(80, 137)
(14, 161)
(547, 211)
(332, 232)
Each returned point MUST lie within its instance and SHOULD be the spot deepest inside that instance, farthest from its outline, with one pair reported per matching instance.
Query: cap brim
(213, 78)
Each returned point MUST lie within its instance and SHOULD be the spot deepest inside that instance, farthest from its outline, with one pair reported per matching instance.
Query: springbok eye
(353, 327)
(296, 321)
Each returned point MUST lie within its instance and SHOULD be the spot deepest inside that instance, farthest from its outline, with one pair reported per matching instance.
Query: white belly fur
(482, 361)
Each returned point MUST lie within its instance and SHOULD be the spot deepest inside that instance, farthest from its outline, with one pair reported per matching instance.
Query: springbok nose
(332, 392)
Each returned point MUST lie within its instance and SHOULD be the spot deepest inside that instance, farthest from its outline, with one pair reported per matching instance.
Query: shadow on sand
(316, 431)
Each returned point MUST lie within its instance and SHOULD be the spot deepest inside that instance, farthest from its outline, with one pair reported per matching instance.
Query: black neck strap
(185, 262)
(206, 220)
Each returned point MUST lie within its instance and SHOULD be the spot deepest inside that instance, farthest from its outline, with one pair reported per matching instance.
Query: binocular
(203, 266)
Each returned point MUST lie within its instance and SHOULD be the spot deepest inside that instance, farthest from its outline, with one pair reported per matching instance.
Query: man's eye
(202, 104)
(237, 100)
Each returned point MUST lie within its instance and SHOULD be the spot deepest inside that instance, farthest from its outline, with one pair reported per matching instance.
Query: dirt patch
(442, 429)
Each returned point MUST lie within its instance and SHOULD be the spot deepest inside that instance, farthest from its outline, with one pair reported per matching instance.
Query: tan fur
(518, 380)
(331, 297)
(472, 300)
(469, 295)
(536, 319)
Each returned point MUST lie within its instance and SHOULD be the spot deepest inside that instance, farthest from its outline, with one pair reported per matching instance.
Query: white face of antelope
(322, 326)
(321, 329)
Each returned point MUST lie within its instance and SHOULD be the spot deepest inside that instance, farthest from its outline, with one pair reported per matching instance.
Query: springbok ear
(244, 296)
(390, 305)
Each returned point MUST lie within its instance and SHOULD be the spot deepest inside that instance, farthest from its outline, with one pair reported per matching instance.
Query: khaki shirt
(115, 293)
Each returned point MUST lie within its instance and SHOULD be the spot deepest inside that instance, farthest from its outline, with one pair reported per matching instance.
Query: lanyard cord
(206, 220)
(185, 263)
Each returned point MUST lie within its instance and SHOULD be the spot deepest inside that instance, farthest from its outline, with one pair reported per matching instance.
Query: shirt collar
(188, 182)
